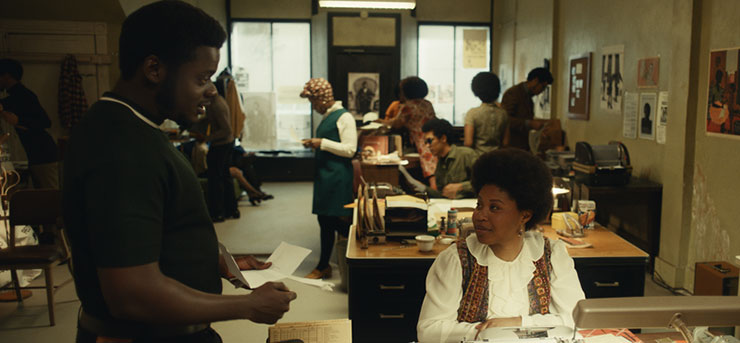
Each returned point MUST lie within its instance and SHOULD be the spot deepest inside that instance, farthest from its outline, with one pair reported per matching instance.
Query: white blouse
(347, 145)
(508, 295)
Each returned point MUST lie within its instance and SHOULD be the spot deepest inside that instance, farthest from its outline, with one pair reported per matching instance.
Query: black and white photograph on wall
(662, 122)
(612, 83)
(648, 110)
(363, 93)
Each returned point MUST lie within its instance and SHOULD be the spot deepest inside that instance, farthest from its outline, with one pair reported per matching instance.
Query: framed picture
(648, 72)
(723, 95)
(612, 83)
(363, 93)
(578, 92)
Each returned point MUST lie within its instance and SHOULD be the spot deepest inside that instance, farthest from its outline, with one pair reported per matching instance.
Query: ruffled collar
(521, 268)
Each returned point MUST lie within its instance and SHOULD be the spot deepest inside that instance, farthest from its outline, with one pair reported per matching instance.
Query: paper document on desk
(285, 260)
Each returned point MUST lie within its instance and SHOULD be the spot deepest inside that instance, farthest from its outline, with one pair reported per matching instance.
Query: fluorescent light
(396, 5)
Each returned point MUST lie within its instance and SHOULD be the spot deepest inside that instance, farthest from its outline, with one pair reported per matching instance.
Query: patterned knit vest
(474, 304)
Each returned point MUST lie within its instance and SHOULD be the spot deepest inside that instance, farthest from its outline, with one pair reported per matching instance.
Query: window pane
(291, 44)
(436, 66)
(271, 62)
(472, 56)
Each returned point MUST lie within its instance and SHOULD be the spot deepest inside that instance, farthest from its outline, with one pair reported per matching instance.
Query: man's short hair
(414, 88)
(11, 67)
(541, 74)
(439, 127)
(170, 30)
(486, 86)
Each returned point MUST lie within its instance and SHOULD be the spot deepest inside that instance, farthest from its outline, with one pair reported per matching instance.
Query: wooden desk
(387, 282)
(632, 211)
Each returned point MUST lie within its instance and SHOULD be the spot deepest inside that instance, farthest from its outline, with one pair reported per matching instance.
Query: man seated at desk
(506, 274)
(454, 163)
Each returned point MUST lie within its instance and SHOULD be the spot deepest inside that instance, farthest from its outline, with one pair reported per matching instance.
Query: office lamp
(673, 312)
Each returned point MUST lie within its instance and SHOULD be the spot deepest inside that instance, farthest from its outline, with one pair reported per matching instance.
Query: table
(387, 282)
(632, 211)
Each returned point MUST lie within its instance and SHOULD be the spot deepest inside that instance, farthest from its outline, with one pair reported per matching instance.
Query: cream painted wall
(478, 11)
(715, 234)
(271, 9)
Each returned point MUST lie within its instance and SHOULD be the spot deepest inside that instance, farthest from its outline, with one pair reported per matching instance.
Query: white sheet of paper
(287, 257)
(629, 123)
(285, 260)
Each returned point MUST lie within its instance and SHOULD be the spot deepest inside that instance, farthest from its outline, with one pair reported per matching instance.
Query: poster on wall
(648, 72)
(647, 110)
(612, 85)
(662, 124)
(363, 93)
(474, 48)
(259, 110)
(723, 98)
(578, 92)
(629, 121)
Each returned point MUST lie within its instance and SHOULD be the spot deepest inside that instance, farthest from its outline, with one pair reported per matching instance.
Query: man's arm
(143, 294)
(31, 115)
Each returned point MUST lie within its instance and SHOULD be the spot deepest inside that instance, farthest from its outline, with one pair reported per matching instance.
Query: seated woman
(507, 273)
(486, 126)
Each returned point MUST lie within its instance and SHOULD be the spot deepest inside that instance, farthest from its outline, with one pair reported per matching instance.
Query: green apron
(332, 187)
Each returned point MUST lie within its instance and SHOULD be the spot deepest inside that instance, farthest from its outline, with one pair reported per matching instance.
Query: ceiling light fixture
(387, 4)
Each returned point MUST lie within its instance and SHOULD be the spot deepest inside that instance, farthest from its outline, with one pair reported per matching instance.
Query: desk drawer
(388, 284)
(608, 280)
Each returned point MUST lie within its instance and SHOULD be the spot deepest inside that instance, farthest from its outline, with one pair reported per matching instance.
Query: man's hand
(313, 143)
(498, 322)
(249, 263)
(10, 117)
(198, 136)
(450, 191)
(269, 302)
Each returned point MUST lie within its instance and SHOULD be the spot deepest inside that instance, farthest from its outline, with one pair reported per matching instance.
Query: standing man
(517, 101)
(146, 259)
(21, 108)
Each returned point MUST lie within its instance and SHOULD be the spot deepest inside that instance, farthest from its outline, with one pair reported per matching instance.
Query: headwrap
(318, 89)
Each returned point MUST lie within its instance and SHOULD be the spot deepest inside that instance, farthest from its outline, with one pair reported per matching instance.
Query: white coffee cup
(425, 242)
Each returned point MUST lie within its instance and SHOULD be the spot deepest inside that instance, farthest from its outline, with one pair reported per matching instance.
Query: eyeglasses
(428, 141)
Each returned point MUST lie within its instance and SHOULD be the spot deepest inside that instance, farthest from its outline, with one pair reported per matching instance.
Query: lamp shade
(644, 312)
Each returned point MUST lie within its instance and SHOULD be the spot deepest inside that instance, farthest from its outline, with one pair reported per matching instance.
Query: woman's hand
(498, 322)
(313, 143)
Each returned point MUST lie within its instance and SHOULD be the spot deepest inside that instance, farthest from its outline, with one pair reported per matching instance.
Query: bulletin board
(579, 90)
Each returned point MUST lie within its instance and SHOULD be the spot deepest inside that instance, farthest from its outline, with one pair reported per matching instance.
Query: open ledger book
(320, 331)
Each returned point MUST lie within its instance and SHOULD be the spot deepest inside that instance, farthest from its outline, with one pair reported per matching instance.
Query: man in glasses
(454, 163)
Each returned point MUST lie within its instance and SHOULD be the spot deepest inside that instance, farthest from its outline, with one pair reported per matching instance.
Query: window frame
(455, 25)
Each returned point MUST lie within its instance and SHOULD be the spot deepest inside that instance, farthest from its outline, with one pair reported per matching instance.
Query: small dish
(425, 242)
(446, 240)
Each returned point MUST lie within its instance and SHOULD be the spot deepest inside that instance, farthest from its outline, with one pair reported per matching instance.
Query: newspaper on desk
(285, 260)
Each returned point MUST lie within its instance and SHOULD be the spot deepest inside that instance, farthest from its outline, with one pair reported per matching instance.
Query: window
(449, 57)
(271, 61)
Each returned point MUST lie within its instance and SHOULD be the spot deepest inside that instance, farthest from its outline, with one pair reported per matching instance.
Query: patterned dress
(414, 113)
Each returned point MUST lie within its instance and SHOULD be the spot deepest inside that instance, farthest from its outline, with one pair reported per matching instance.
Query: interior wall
(454, 11)
(271, 9)
(714, 207)
(107, 11)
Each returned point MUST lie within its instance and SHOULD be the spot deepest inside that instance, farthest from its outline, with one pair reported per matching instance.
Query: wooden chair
(35, 207)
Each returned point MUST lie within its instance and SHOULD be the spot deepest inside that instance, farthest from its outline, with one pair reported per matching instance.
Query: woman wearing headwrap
(335, 144)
